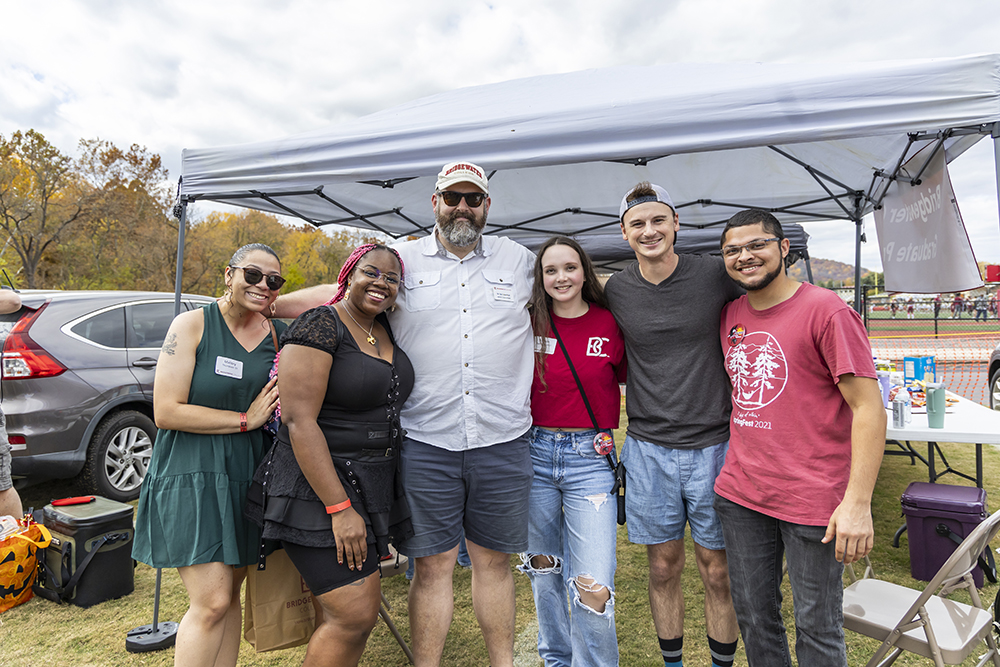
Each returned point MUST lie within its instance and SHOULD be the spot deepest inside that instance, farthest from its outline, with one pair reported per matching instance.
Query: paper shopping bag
(278, 609)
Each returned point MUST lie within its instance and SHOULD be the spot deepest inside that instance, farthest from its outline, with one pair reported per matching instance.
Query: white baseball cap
(661, 196)
(462, 172)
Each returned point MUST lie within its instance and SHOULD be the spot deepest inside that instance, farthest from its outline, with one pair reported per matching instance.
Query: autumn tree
(41, 195)
(127, 240)
(309, 256)
(211, 242)
(104, 221)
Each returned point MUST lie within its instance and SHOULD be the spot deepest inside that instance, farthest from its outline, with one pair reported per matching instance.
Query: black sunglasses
(473, 199)
(253, 277)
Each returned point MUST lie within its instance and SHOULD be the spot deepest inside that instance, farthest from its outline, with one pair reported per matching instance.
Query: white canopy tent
(807, 142)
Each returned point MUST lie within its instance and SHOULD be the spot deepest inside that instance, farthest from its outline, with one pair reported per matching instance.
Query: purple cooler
(925, 505)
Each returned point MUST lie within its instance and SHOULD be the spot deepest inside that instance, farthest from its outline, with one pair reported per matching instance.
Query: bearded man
(461, 318)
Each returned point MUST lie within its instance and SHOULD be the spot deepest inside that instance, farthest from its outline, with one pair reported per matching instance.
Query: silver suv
(77, 385)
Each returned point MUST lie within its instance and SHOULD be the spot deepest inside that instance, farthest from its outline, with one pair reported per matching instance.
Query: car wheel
(995, 390)
(118, 456)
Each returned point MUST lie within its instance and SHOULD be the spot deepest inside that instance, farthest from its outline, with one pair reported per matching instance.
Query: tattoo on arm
(170, 345)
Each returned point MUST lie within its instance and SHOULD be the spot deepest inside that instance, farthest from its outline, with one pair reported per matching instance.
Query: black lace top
(360, 419)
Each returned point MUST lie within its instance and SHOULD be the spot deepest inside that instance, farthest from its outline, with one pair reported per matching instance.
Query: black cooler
(90, 558)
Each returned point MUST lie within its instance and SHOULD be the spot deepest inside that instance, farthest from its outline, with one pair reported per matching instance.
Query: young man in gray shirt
(668, 307)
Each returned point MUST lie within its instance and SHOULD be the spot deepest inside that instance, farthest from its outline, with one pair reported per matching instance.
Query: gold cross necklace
(371, 339)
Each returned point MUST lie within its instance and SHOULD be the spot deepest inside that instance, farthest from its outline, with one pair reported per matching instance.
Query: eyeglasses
(752, 247)
(473, 199)
(375, 274)
(253, 277)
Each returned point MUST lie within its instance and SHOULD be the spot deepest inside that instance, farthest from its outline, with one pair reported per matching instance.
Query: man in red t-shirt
(806, 438)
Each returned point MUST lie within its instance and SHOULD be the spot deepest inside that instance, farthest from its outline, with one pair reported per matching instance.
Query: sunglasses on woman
(253, 277)
(473, 199)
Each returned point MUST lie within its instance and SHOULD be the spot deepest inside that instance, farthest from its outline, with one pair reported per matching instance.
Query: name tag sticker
(230, 368)
(503, 293)
(547, 344)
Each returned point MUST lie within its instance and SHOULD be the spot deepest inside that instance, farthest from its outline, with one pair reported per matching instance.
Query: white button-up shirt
(464, 325)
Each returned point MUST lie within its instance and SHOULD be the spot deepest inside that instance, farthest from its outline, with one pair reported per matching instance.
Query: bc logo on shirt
(595, 346)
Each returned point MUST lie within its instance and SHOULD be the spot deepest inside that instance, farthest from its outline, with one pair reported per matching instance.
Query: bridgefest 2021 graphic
(758, 370)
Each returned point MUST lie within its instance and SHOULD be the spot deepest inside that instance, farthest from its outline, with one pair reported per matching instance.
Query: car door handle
(145, 362)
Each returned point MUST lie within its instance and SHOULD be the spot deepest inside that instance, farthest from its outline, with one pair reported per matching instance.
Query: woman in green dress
(211, 396)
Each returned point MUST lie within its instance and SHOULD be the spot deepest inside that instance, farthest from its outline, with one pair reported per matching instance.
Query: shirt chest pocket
(423, 291)
(500, 289)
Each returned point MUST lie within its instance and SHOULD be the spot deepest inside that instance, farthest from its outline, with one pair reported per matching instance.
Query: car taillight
(24, 358)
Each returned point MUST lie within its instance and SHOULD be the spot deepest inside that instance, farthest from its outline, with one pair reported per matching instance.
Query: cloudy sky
(192, 74)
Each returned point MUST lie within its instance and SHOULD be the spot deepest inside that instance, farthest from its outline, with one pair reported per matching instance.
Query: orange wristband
(243, 422)
(339, 507)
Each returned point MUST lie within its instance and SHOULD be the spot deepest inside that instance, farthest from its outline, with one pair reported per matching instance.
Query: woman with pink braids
(331, 493)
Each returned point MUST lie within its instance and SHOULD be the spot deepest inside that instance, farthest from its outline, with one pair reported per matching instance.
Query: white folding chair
(867, 573)
(925, 622)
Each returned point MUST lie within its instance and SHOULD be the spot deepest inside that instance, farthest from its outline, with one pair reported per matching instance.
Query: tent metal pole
(857, 264)
(181, 228)
(996, 159)
(809, 272)
(858, 237)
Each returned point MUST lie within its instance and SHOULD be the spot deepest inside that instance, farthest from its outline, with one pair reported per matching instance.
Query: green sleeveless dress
(191, 505)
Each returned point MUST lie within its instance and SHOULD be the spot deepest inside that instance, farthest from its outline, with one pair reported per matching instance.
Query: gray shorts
(668, 488)
(5, 481)
(483, 490)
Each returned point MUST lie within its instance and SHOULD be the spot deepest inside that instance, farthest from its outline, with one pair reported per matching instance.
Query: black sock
(671, 650)
(722, 654)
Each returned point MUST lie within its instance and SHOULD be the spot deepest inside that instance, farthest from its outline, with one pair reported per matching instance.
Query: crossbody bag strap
(579, 385)
(274, 335)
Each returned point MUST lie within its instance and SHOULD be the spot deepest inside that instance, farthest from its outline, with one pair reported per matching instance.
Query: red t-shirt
(790, 431)
(597, 349)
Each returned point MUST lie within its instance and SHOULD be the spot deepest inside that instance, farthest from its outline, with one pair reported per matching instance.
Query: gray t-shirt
(677, 391)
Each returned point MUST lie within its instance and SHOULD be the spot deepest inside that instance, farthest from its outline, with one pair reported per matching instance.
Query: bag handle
(619, 470)
(274, 335)
(583, 394)
(62, 593)
(46, 537)
(984, 560)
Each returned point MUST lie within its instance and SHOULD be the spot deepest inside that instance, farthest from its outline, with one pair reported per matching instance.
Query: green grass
(40, 632)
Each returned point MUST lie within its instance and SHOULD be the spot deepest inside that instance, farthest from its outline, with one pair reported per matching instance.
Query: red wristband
(339, 507)
(243, 422)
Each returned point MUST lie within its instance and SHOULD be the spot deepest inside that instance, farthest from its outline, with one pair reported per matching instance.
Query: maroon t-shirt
(598, 352)
(790, 431)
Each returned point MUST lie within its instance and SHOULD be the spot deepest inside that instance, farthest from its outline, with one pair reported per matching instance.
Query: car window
(150, 322)
(107, 328)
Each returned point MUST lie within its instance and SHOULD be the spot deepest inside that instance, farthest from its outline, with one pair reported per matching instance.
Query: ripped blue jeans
(573, 519)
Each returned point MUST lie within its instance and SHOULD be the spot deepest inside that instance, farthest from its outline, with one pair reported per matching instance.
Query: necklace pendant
(372, 340)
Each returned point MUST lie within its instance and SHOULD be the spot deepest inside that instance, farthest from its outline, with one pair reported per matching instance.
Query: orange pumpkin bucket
(19, 562)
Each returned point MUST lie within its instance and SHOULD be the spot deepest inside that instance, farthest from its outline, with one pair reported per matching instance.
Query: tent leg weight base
(144, 639)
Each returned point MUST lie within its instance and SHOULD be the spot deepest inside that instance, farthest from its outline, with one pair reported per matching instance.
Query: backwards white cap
(660, 196)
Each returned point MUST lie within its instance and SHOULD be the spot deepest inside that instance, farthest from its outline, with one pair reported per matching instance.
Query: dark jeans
(755, 544)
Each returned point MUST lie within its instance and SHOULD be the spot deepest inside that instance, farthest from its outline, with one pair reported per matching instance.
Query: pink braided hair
(348, 268)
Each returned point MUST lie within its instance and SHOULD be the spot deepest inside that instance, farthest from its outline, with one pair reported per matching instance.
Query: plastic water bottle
(898, 411)
(907, 405)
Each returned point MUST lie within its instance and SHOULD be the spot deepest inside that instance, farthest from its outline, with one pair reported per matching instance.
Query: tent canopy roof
(807, 142)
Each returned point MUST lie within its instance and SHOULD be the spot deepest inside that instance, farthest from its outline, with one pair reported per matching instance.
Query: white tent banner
(925, 247)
